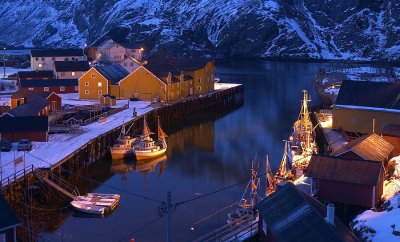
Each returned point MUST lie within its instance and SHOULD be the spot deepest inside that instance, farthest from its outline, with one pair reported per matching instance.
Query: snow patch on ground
(383, 225)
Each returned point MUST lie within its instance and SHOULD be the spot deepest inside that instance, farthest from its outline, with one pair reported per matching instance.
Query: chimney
(330, 214)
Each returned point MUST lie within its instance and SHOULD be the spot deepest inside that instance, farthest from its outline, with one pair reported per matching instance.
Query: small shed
(34, 128)
(291, 215)
(23, 96)
(348, 181)
(107, 100)
(8, 222)
(367, 147)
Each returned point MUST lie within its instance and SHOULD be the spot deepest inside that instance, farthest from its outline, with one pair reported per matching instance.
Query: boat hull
(144, 154)
(122, 154)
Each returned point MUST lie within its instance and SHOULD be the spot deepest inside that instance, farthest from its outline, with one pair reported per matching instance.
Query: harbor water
(201, 158)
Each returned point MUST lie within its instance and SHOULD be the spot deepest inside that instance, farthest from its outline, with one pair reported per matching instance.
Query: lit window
(86, 84)
(93, 75)
(199, 80)
(199, 88)
(62, 89)
(100, 92)
(99, 84)
(73, 73)
(87, 91)
(30, 89)
(40, 65)
(46, 89)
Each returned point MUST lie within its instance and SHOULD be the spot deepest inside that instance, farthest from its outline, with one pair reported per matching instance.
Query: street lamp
(84, 47)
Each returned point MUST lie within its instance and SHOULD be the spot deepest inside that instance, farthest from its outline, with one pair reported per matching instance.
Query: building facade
(45, 59)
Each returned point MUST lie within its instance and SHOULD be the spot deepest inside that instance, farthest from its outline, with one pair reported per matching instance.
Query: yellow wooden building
(158, 80)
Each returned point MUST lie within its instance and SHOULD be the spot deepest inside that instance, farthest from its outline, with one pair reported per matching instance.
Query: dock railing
(4, 183)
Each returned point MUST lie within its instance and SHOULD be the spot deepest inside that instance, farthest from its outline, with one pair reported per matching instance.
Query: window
(36, 59)
(199, 88)
(53, 58)
(30, 89)
(76, 88)
(46, 89)
(353, 121)
(73, 73)
(87, 92)
(125, 64)
(62, 73)
(100, 92)
(86, 84)
(99, 84)
(62, 89)
(131, 63)
(42, 58)
(199, 80)
(93, 75)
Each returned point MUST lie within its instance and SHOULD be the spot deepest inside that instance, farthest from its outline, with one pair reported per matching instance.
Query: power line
(141, 228)
(100, 183)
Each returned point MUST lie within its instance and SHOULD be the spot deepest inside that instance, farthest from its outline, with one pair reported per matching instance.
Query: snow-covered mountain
(332, 29)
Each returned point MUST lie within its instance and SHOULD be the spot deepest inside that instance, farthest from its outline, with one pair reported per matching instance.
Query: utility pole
(169, 214)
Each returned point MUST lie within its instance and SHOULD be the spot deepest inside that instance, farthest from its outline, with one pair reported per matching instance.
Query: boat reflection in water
(145, 167)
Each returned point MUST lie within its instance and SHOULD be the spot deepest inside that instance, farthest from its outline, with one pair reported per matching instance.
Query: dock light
(142, 49)
(192, 229)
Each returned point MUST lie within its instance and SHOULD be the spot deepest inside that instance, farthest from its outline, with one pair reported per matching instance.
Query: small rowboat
(88, 208)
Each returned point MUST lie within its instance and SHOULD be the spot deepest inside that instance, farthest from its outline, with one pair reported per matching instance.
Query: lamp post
(83, 50)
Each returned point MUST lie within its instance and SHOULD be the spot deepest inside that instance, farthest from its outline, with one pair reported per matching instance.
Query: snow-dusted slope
(333, 29)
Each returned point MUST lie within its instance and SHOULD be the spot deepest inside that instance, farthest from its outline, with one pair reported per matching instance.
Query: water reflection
(144, 167)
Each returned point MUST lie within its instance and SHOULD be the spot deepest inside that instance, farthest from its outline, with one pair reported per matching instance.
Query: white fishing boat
(123, 147)
(84, 207)
(145, 147)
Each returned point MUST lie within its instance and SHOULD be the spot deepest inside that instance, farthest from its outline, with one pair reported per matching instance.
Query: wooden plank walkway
(60, 189)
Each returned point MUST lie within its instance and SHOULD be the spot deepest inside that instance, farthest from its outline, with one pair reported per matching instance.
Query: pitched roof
(35, 74)
(31, 108)
(369, 94)
(49, 83)
(30, 94)
(131, 45)
(189, 64)
(113, 73)
(292, 215)
(21, 124)
(71, 66)
(7, 215)
(369, 147)
(56, 52)
(338, 169)
(162, 69)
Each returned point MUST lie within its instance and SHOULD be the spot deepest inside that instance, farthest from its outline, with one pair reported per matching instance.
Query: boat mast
(254, 185)
(123, 132)
(305, 120)
(270, 186)
(146, 130)
(161, 134)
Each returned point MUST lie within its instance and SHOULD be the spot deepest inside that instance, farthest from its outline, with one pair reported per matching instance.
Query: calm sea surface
(201, 159)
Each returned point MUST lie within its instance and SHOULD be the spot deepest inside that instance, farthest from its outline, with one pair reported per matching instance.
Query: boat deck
(96, 200)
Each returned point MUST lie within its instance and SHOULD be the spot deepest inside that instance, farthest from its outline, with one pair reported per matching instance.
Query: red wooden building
(8, 222)
(367, 147)
(23, 96)
(348, 181)
(34, 128)
(34, 75)
(289, 215)
(58, 86)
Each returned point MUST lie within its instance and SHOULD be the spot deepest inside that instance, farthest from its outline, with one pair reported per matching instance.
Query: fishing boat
(145, 147)
(245, 208)
(302, 140)
(285, 167)
(123, 147)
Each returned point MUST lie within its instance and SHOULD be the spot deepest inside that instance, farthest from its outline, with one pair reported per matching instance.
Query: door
(191, 91)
